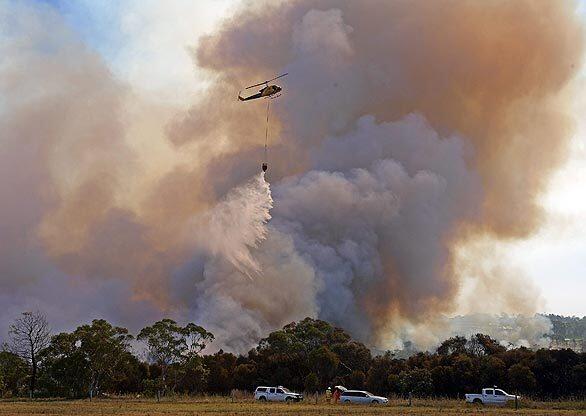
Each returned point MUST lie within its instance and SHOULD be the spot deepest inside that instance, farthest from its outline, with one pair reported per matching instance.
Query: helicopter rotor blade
(280, 76)
(267, 82)
(256, 85)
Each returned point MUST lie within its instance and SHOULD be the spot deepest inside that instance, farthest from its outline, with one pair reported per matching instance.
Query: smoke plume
(408, 131)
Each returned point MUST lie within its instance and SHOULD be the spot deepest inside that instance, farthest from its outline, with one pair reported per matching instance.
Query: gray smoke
(386, 154)
(510, 330)
(406, 132)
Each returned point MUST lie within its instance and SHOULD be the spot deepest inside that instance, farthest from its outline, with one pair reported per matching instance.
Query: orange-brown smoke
(490, 71)
(406, 130)
(493, 73)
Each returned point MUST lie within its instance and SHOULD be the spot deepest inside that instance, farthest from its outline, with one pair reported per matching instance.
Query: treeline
(567, 327)
(98, 359)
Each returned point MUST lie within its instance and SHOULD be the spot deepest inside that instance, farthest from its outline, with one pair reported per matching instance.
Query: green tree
(91, 359)
(356, 380)
(294, 351)
(103, 348)
(64, 371)
(547, 372)
(417, 381)
(169, 343)
(129, 376)
(196, 338)
(324, 363)
(221, 367)
(393, 383)
(455, 345)
(377, 377)
(353, 355)
(310, 345)
(13, 371)
(522, 379)
(578, 377)
(192, 375)
(245, 376)
(468, 376)
(444, 380)
(481, 344)
(492, 370)
(311, 383)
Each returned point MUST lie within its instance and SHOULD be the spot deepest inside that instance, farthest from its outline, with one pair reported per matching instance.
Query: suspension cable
(267, 132)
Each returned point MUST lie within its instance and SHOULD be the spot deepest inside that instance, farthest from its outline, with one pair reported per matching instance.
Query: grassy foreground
(225, 406)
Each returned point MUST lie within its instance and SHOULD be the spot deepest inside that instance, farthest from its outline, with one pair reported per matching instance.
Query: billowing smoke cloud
(62, 158)
(233, 242)
(407, 132)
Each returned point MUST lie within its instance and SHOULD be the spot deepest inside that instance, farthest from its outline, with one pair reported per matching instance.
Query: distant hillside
(567, 327)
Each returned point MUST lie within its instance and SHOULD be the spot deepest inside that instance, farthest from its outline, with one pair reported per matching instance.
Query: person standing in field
(336, 395)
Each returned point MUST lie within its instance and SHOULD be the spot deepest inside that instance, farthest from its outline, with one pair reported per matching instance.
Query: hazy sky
(147, 45)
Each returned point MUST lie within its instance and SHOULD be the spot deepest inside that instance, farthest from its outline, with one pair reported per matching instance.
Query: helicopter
(269, 91)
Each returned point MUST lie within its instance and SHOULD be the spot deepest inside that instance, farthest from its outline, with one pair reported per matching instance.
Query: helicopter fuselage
(270, 90)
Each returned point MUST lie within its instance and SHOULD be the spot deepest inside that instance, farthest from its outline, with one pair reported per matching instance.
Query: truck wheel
(287, 399)
(346, 401)
(477, 401)
(262, 399)
(374, 402)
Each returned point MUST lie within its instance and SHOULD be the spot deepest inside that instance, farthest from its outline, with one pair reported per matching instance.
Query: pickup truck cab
(491, 396)
(276, 394)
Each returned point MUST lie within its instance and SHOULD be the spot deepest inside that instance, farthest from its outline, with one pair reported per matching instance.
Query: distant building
(577, 345)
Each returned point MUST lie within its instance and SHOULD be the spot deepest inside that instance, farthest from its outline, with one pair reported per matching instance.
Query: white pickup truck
(276, 394)
(491, 396)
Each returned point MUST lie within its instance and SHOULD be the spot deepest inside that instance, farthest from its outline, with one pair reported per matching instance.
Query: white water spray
(237, 224)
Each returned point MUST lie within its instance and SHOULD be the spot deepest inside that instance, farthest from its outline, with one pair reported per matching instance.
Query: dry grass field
(244, 407)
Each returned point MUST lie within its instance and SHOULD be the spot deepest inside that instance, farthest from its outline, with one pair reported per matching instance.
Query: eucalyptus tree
(103, 347)
(87, 359)
(169, 343)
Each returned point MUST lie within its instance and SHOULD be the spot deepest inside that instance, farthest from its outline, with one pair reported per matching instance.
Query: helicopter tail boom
(252, 97)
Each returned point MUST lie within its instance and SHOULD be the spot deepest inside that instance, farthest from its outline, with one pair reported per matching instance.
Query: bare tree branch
(29, 335)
